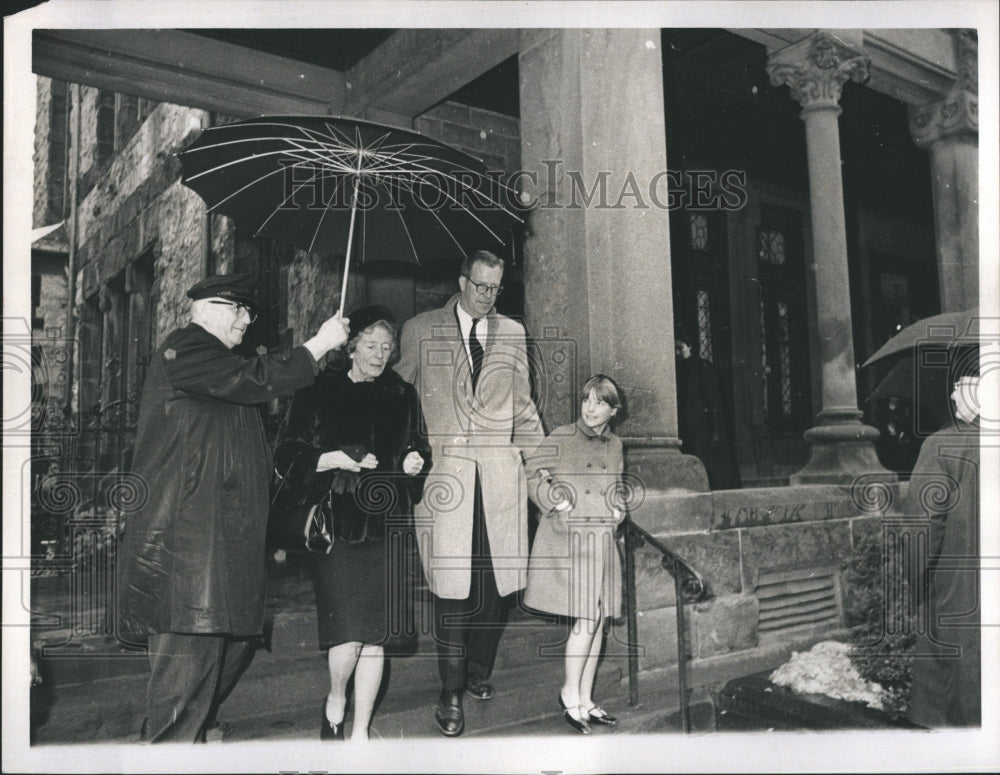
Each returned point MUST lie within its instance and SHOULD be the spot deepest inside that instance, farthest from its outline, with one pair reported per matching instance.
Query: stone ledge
(667, 512)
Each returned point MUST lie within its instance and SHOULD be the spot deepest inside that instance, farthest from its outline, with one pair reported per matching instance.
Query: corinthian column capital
(957, 115)
(817, 67)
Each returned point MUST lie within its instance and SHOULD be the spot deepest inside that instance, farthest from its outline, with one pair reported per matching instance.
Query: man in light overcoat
(469, 365)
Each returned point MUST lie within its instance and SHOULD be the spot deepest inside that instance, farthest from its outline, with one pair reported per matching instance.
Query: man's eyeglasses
(237, 308)
(485, 289)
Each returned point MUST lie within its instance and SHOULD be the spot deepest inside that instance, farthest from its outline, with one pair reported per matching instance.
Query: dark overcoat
(192, 557)
(487, 428)
(326, 416)
(944, 489)
(575, 569)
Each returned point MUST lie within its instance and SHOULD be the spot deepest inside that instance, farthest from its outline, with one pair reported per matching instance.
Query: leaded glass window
(699, 231)
(771, 247)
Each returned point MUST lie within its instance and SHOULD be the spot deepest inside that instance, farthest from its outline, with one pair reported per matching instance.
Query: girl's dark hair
(607, 390)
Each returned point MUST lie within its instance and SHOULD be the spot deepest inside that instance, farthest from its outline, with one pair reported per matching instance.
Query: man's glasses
(237, 308)
(485, 289)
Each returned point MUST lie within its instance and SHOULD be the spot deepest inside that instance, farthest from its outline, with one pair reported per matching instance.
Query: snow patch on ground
(827, 669)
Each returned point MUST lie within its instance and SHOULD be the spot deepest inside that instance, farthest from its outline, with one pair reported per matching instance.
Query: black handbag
(296, 526)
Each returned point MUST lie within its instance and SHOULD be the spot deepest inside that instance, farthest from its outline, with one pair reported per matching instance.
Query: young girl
(574, 570)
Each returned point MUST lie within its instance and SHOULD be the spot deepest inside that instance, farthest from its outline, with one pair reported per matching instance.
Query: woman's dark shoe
(328, 730)
(580, 726)
(598, 715)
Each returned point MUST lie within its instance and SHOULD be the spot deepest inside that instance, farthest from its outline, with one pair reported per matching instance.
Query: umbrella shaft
(350, 240)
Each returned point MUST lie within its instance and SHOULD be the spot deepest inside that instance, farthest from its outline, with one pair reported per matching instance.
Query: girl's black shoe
(598, 715)
(580, 726)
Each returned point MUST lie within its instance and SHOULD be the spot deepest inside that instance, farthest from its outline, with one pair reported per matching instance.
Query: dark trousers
(190, 677)
(467, 631)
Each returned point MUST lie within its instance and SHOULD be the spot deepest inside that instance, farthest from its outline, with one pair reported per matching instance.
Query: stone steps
(524, 705)
(94, 690)
(280, 695)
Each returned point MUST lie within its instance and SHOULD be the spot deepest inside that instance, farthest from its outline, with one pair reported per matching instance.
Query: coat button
(590, 465)
(586, 492)
(604, 465)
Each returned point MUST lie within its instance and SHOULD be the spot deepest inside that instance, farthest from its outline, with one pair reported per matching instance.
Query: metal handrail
(689, 587)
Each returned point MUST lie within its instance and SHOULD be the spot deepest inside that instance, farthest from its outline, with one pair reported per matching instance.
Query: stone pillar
(949, 129)
(816, 69)
(597, 255)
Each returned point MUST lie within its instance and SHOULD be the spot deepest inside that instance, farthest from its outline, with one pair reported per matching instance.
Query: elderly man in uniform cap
(192, 560)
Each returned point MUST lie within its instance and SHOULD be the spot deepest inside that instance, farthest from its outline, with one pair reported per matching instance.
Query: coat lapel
(492, 324)
(449, 323)
(453, 332)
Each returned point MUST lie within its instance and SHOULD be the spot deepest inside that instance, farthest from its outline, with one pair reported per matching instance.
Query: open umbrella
(949, 329)
(315, 180)
(915, 364)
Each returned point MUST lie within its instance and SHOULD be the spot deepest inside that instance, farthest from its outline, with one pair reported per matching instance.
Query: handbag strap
(281, 482)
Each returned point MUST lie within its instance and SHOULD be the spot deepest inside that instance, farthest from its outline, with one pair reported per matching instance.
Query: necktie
(476, 350)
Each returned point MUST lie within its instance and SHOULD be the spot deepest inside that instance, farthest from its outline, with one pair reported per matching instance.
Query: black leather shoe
(479, 688)
(597, 715)
(448, 714)
(580, 726)
(327, 729)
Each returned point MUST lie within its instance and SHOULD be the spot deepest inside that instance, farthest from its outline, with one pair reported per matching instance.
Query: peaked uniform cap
(238, 288)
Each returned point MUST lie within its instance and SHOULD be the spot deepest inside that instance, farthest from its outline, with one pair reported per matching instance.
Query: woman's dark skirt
(364, 592)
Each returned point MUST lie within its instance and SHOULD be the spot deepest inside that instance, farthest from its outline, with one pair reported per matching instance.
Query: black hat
(237, 288)
(363, 317)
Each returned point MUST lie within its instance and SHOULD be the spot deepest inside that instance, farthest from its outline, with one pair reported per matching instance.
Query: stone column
(949, 129)
(816, 69)
(597, 257)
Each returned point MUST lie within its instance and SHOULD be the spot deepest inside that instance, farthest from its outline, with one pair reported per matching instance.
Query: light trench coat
(575, 569)
(491, 428)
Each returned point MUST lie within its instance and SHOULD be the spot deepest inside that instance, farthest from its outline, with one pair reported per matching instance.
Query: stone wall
(137, 206)
(734, 539)
(48, 321)
(492, 137)
(49, 336)
(40, 157)
(88, 127)
(311, 287)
